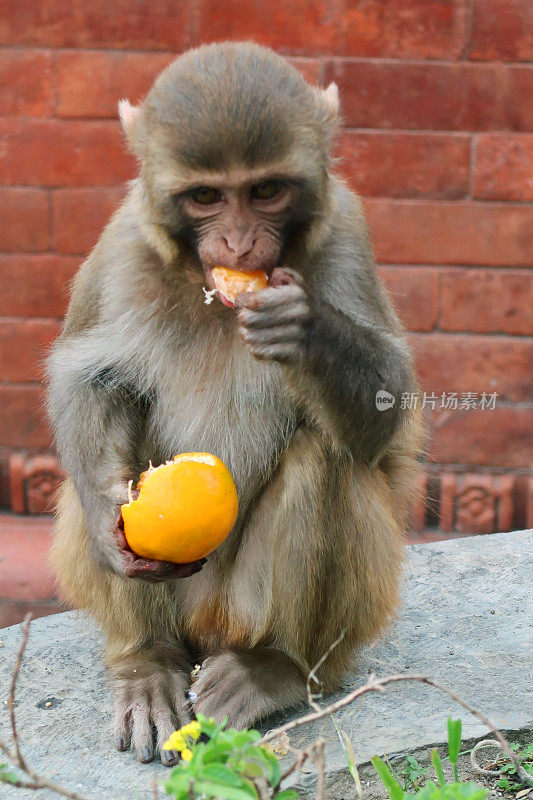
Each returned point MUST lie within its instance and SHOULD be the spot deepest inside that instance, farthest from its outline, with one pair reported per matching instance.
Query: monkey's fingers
(283, 276)
(270, 297)
(122, 721)
(286, 314)
(142, 729)
(262, 337)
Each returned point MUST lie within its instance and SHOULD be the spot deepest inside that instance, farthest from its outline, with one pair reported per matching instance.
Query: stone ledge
(464, 621)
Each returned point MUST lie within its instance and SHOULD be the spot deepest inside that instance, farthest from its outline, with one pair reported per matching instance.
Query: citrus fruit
(231, 282)
(184, 510)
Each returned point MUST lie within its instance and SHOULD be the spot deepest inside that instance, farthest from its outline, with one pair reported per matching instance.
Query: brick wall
(438, 109)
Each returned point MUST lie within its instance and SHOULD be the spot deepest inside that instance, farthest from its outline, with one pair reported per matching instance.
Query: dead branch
(35, 781)
(317, 757)
(378, 685)
(473, 760)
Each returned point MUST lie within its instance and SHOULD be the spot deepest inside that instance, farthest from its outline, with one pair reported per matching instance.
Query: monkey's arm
(336, 363)
(96, 421)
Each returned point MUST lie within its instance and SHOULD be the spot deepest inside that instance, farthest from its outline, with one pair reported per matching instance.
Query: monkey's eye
(206, 195)
(266, 190)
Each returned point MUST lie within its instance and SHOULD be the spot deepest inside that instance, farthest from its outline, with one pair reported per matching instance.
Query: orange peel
(185, 509)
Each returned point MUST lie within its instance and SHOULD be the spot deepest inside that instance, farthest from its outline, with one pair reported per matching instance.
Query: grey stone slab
(466, 620)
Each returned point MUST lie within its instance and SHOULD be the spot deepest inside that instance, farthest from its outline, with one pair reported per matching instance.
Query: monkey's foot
(247, 685)
(149, 698)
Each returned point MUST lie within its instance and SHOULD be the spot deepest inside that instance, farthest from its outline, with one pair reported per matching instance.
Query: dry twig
(35, 781)
(378, 685)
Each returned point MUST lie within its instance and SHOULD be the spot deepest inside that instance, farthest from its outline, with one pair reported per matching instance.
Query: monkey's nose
(240, 245)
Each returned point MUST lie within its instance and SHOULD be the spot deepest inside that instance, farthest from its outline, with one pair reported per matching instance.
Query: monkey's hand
(274, 322)
(134, 566)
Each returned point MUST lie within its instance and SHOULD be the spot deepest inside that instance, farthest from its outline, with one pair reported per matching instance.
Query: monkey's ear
(329, 102)
(129, 119)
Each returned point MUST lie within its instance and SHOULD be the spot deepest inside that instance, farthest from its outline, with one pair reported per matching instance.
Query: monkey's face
(238, 221)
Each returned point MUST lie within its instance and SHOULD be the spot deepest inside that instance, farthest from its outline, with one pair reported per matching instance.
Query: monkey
(235, 169)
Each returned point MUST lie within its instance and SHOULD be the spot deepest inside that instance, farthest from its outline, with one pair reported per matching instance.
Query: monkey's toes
(145, 707)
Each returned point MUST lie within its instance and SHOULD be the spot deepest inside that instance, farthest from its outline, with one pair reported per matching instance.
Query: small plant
(7, 775)
(413, 772)
(525, 755)
(431, 791)
(230, 764)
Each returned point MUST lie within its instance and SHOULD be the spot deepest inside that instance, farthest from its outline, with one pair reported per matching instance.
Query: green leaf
(392, 786)
(222, 790)
(435, 760)
(268, 760)
(454, 743)
(220, 773)
(454, 739)
(252, 770)
(287, 794)
(7, 775)
(242, 739)
(178, 784)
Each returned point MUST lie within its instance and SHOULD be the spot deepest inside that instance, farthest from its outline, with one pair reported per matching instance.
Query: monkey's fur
(144, 370)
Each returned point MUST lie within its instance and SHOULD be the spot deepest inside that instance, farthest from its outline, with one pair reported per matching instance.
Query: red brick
(14, 611)
(63, 153)
(23, 422)
(158, 25)
(488, 301)
(503, 167)
(25, 219)
(79, 215)
(415, 294)
(116, 75)
(410, 232)
(433, 95)
(501, 438)
(23, 346)
(502, 30)
(26, 83)
(302, 27)
(406, 164)
(448, 362)
(24, 570)
(404, 28)
(476, 503)
(518, 89)
(35, 286)
(34, 482)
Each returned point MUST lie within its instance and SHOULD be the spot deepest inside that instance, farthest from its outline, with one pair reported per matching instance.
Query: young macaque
(234, 154)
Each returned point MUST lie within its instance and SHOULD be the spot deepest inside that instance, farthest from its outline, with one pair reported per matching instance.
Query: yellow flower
(175, 742)
(192, 729)
(178, 740)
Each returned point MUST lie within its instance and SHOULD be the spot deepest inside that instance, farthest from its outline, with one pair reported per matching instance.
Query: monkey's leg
(246, 685)
(320, 559)
(148, 667)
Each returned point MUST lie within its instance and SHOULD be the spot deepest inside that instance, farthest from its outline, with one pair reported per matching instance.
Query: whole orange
(184, 511)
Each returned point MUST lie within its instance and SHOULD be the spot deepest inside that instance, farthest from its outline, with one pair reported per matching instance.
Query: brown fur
(143, 369)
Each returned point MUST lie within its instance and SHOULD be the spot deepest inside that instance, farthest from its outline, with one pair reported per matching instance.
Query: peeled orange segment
(184, 511)
(231, 283)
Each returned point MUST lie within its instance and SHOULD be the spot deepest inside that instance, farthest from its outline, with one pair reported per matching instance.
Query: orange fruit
(184, 511)
(230, 282)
